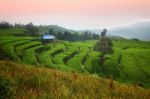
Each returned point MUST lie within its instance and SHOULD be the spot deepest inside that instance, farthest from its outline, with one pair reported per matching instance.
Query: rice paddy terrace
(134, 66)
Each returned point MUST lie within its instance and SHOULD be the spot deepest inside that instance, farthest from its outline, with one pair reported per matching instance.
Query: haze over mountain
(139, 30)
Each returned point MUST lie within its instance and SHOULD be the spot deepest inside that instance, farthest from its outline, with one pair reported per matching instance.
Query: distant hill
(55, 28)
(139, 30)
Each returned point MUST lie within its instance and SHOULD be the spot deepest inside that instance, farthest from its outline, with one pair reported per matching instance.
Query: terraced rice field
(80, 57)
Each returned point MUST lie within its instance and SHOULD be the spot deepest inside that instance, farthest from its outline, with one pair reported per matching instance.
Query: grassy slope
(28, 81)
(92, 62)
(134, 64)
(58, 59)
(31, 53)
(11, 31)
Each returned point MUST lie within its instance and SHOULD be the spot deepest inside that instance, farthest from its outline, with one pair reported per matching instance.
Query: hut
(47, 39)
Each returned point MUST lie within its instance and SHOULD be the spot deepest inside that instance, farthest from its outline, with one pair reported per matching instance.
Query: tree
(4, 25)
(103, 33)
(104, 45)
(51, 31)
(95, 37)
(18, 25)
(67, 35)
(31, 29)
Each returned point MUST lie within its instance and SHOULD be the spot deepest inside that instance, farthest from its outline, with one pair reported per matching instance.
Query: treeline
(7, 25)
(30, 29)
(59, 32)
(75, 36)
(66, 34)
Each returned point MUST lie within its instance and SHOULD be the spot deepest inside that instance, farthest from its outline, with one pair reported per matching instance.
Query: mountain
(53, 28)
(139, 30)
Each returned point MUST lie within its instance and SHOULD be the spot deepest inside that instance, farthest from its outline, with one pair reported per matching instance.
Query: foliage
(4, 54)
(4, 25)
(104, 46)
(5, 88)
(31, 29)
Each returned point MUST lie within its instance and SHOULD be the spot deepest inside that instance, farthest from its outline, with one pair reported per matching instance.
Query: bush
(4, 54)
(5, 88)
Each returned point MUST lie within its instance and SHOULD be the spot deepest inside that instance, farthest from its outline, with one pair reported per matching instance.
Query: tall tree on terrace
(104, 45)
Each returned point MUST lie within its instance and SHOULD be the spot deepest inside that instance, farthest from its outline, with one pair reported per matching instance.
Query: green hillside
(73, 58)
(77, 56)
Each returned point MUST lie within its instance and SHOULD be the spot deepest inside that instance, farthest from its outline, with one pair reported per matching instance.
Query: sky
(76, 14)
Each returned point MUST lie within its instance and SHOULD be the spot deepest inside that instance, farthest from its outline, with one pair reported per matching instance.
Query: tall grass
(39, 82)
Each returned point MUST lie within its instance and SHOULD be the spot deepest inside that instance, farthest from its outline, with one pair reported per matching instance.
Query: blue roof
(48, 37)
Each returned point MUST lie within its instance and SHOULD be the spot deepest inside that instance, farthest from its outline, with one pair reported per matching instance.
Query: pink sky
(76, 14)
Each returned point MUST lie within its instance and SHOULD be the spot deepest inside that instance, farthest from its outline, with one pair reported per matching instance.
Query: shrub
(5, 88)
(4, 54)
